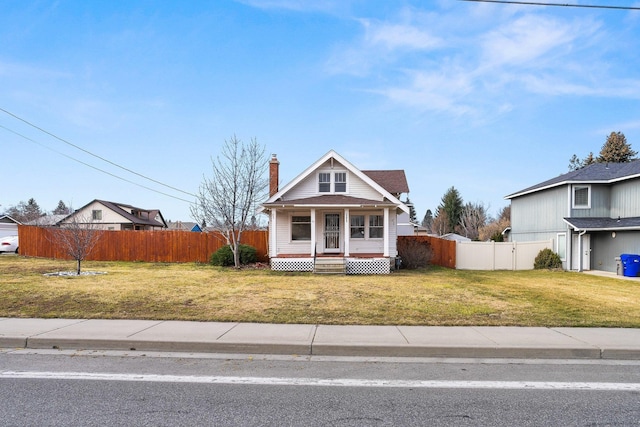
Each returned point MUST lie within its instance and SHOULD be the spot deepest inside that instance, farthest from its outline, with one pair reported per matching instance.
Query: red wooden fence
(444, 251)
(147, 246)
(178, 246)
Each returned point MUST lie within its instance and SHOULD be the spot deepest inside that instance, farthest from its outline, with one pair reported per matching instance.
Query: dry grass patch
(435, 296)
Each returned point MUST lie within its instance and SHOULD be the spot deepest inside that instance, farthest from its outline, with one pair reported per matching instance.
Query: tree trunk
(78, 269)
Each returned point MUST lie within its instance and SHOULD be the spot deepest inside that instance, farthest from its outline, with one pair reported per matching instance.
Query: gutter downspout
(570, 242)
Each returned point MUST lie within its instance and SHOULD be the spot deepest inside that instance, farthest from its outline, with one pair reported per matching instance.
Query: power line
(535, 3)
(93, 167)
(92, 154)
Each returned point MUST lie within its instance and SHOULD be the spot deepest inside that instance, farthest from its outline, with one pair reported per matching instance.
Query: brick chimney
(273, 175)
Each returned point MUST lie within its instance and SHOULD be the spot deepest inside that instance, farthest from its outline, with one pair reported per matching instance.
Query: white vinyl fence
(498, 255)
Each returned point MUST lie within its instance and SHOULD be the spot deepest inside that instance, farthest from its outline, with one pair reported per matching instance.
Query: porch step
(330, 265)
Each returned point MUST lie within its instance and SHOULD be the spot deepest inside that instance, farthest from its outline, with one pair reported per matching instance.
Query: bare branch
(229, 198)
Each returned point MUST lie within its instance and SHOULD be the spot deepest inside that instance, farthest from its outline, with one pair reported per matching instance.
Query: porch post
(313, 231)
(273, 252)
(386, 232)
(347, 231)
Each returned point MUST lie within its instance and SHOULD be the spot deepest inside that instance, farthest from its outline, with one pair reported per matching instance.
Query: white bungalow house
(334, 217)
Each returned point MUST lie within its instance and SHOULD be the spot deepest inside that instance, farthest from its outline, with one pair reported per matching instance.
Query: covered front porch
(362, 238)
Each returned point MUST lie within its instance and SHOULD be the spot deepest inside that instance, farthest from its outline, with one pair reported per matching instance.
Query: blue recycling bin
(630, 265)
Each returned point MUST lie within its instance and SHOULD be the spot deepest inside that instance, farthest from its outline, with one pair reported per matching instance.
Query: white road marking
(344, 382)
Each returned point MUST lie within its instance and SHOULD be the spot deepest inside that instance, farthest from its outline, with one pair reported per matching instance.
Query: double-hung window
(96, 214)
(324, 182)
(581, 197)
(300, 227)
(376, 226)
(340, 182)
(357, 226)
(332, 182)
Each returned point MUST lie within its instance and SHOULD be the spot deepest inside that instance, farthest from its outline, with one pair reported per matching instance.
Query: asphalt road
(47, 388)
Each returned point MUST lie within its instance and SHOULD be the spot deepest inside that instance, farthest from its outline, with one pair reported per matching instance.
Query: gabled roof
(597, 173)
(603, 224)
(118, 208)
(392, 180)
(47, 220)
(8, 220)
(184, 226)
(123, 210)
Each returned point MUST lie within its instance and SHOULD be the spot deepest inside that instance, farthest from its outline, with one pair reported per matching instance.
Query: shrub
(224, 255)
(546, 258)
(414, 253)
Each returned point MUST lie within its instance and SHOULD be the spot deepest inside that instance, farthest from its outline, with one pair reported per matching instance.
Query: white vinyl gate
(498, 255)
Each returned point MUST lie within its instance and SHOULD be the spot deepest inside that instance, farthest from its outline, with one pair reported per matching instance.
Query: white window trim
(332, 181)
(300, 241)
(561, 237)
(573, 197)
(367, 236)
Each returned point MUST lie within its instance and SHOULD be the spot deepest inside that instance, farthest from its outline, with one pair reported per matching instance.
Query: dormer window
(340, 182)
(332, 182)
(324, 179)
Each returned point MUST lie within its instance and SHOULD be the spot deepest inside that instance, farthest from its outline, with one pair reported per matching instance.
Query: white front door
(332, 232)
(584, 250)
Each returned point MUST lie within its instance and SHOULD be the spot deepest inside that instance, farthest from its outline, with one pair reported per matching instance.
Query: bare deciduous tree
(77, 236)
(227, 201)
(472, 219)
(440, 224)
(494, 229)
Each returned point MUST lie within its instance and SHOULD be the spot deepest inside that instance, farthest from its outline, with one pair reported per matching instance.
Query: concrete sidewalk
(369, 341)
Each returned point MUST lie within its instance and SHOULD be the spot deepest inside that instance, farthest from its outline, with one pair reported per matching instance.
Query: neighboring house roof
(597, 173)
(125, 210)
(392, 180)
(603, 224)
(47, 220)
(8, 220)
(456, 237)
(183, 226)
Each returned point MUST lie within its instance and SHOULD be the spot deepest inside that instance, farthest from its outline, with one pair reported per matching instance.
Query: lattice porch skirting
(354, 265)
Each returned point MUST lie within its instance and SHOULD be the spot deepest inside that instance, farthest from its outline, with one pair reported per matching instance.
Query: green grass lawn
(434, 296)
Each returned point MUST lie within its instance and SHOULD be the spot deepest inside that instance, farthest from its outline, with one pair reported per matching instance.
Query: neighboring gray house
(592, 214)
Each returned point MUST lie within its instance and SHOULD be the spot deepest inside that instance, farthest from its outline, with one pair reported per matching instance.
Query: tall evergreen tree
(616, 149)
(61, 209)
(412, 211)
(427, 220)
(452, 205)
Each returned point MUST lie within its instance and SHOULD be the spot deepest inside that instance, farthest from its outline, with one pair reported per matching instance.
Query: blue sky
(488, 98)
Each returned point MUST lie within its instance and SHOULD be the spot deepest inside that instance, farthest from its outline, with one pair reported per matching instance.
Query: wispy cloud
(529, 41)
(296, 5)
(381, 44)
(394, 36)
(429, 61)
